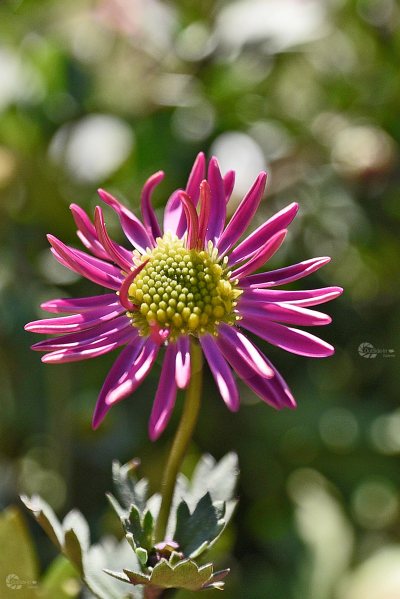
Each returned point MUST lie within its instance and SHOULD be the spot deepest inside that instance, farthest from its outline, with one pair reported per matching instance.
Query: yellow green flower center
(186, 291)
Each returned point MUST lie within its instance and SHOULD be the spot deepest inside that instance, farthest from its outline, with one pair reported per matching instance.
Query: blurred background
(104, 93)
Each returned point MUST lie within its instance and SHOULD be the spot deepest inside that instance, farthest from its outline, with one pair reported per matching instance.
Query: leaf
(118, 575)
(111, 555)
(75, 521)
(46, 517)
(185, 575)
(73, 550)
(18, 564)
(133, 525)
(130, 490)
(199, 529)
(142, 555)
(218, 478)
(148, 529)
(139, 529)
(116, 506)
(136, 577)
(60, 580)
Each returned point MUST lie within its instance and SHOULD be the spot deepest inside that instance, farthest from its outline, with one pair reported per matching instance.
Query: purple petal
(292, 340)
(87, 232)
(205, 211)
(248, 352)
(174, 218)
(115, 252)
(218, 203)
(229, 184)
(84, 352)
(261, 385)
(262, 256)
(136, 374)
(164, 400)
(79, 304)
(260, 236)
(97, 263)
(309, 297)
(115, 378)
(182, 366)
(132, 227)
(192, 219)
(280, 388)
(148, 214)
(281, 276)
(221, 372)
(196, 176)
(95, 335)
(84, 264)
(281, 312)
(124, 290)
(243, 215)
(77, 322)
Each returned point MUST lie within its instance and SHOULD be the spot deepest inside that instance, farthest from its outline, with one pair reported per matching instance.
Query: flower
(190, 278)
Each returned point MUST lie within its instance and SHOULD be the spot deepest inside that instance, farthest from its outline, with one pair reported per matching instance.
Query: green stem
(182, 439)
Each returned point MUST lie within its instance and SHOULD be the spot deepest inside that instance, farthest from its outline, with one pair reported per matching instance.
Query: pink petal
(309, 297)
(218, 202)
(84, 352)
(191, 219)
(243, 215)
(221, 372)
(174, 218)
(257, 239)
(182, 366)
(205, 211)
(281, 276)
(115, 378)
(114, 252)
(95, 335)
(79, 304)
(247, 371)
(132, 227)
(85, 265)
(164, 400)
(136, 374)
(196, 176)
(262, 256)
(87, 232)
(229, 184)
(248, 352)
(292, 340)
(148, 214)
(281, 312)
(77, 322)
(124, 291)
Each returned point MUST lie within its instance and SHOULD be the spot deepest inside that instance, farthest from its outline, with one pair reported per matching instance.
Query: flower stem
(182, 439)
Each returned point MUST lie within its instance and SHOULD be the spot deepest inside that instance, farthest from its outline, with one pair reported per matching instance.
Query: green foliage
(163, 565)
(19, 564)
(185, 574)
(71, 537)
(195, 532)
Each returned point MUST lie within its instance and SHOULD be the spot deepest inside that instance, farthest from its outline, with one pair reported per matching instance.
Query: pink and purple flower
(191, 278)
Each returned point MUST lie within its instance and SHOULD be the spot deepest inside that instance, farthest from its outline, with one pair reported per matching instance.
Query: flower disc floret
(187, 291)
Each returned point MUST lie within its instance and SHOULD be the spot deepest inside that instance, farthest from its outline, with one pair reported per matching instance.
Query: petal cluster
(196, 217)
